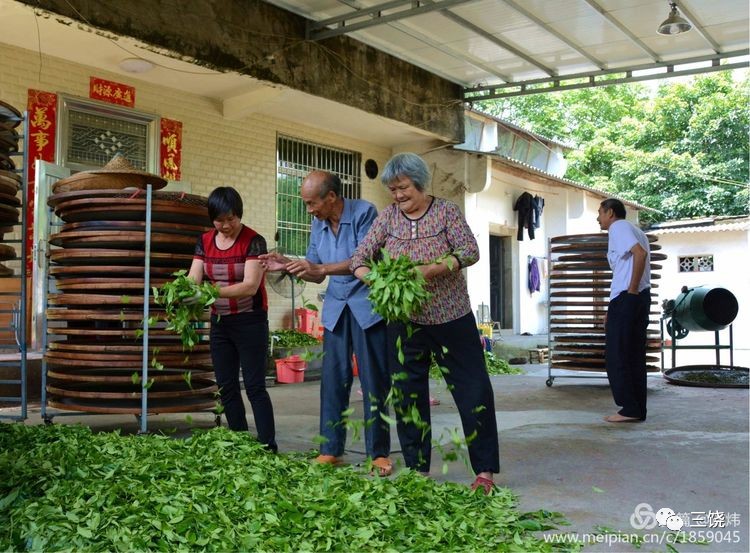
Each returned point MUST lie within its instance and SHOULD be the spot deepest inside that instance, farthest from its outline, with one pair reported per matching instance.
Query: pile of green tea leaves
(397, 288)
(66, 488)
(286, 338)
(179, 315)
(495, 366)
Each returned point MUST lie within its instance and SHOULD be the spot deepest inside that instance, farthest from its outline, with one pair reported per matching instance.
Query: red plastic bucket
(290, 370)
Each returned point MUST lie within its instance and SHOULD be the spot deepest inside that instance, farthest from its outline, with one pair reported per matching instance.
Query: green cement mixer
(700, 308)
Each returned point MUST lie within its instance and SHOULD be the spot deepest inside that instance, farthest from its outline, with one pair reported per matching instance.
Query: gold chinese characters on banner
(171, 149)
(112, 92)
(42, 109)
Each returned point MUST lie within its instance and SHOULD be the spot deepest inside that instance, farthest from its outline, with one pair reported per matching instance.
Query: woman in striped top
(228, 257)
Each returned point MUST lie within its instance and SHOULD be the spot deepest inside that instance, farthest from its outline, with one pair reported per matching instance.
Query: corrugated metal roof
(481, 43)
(706, 224)
(561, 180)
(513, 126)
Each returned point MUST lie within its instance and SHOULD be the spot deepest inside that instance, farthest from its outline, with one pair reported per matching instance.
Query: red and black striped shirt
(227, 267)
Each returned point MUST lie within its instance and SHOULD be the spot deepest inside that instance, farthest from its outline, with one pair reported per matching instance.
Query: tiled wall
(215, 151)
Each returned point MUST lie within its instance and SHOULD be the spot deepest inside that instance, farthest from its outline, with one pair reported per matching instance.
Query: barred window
(295, 158)
(696, 263)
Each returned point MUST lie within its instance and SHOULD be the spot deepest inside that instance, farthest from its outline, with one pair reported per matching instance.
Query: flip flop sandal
(328, 460)
(383, 465)
(486, 484)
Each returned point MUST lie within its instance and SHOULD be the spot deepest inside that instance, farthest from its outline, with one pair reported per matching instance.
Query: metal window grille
(696, 263)
(295, 158)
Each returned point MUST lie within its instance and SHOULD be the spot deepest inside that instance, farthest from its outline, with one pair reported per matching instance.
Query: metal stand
(717, 346)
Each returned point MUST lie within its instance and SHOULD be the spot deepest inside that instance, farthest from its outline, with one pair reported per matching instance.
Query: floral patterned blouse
(441, 230)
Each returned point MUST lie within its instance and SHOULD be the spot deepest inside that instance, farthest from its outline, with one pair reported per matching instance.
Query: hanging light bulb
(674, 24)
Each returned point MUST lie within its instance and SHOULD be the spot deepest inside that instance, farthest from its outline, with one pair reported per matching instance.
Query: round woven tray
(7, 252)
(89, 346)
(133, 406)
(8, 214)
(165, 228)
(125, 239)
(96, 256)
(116, 196)
(8, 186)
(160, 390)
(115, 271)
(121, 360)
(9, 200)
(75, 211)
(112, 285)
(6, 163)
(115, 333)
(125, 376)
(9, 116)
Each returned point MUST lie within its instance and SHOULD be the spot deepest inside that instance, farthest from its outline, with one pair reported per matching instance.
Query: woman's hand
(361, 273)
(446, 265)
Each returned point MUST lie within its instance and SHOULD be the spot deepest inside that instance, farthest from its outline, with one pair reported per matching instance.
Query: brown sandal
(383, 465)
(486, 484)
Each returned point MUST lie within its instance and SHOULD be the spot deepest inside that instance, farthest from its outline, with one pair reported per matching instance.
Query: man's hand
(302, 268)
(273, 261)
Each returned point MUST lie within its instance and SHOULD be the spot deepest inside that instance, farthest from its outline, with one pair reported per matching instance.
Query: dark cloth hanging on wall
(525, 208)
(537, 205)
(534, 279)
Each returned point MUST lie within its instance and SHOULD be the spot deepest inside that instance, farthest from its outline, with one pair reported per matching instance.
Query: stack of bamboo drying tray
(580, 280)
(95, 317)
(10, 182)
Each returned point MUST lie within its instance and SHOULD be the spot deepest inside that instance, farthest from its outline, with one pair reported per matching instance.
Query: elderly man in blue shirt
(339, 225)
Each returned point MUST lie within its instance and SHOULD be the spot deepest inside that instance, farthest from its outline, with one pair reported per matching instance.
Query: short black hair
(223, 201)
(616, 206)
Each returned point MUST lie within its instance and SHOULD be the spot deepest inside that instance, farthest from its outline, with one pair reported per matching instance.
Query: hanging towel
(534, 280)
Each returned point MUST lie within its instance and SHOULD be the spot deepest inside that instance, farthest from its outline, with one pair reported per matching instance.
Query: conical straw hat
(117, 174)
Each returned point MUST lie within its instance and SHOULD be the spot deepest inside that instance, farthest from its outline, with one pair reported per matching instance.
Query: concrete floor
(557, 454)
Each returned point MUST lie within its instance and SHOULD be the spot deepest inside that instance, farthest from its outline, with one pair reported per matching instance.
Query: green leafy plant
(181, 315)
(308, 304)
(67, 488)
(286, 338)
(397, 288)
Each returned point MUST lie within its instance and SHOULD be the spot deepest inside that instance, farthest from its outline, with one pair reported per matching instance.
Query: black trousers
(457, 347)
(625, 352)
(241, 342)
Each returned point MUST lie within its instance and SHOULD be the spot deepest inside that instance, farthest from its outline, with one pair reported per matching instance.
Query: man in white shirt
(629, 257)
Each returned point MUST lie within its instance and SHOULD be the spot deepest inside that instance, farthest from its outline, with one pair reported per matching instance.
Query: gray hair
(407, 165)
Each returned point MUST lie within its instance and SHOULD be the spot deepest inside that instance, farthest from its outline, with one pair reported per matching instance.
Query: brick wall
(215, 151)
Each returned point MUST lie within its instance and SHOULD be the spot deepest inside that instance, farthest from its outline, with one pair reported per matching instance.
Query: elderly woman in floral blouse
(433, 233)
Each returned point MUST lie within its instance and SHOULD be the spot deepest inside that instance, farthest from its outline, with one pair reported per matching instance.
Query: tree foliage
(683, 150)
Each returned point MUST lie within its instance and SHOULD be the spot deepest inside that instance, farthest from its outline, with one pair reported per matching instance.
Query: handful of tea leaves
(180, 314)
(397, 288)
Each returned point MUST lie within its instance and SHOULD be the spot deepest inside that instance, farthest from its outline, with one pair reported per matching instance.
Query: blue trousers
(625, 351)
(241, 342)
(336, 384)
(457, 347)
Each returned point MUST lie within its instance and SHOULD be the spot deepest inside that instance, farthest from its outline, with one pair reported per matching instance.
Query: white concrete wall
(215, 151)
(566, 211)
(731, 251)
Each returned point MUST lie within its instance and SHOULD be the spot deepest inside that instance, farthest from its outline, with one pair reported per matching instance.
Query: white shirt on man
(623, 235)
